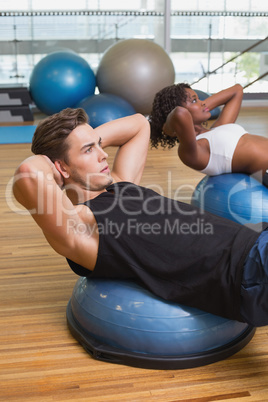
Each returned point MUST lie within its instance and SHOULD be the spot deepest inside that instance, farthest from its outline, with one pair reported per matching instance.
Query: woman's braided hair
(164, 102)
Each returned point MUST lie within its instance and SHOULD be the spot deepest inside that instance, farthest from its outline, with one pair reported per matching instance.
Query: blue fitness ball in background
(236, 196)
(121, 322)
(60, 80)
(103, 108)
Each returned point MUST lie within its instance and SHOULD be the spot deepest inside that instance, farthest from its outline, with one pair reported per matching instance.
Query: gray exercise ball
(135, 69)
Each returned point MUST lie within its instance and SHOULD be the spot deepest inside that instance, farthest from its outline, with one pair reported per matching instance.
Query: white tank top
(222, 142)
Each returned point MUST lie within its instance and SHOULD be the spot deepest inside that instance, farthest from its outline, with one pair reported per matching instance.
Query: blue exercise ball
(121, 322)
(236, 196)
(204, 95)
(60, 80)
(105, 107)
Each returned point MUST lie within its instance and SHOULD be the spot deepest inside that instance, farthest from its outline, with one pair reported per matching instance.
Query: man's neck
(81, 196)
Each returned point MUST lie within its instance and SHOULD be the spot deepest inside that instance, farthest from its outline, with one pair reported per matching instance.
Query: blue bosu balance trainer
(119, 321)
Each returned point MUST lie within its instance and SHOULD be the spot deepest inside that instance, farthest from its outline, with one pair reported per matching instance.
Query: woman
(179, 116)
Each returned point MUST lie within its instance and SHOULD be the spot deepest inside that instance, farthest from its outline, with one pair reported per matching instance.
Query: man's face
(87, 162)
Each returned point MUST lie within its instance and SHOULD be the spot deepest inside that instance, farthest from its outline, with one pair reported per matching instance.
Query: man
(106, 225)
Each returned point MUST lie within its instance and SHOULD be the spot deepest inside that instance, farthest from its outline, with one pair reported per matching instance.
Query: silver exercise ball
(135, 69)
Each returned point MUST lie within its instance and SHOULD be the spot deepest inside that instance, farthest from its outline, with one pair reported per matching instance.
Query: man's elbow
(23, 180)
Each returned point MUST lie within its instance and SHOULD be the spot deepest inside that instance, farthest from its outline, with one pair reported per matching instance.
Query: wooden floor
(41, 361)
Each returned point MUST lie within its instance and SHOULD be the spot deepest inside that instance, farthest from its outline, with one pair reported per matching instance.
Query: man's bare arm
(37, 186)
(131, 134)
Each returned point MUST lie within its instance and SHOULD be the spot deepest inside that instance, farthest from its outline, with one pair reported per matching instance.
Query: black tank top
(175, 250)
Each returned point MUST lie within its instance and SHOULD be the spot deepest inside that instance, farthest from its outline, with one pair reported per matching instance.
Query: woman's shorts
(254, 287)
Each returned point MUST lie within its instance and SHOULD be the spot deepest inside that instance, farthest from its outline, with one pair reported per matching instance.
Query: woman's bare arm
(179, 124)
(230, 99)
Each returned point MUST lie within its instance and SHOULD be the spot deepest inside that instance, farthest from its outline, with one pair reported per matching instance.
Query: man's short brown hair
(51, 133)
